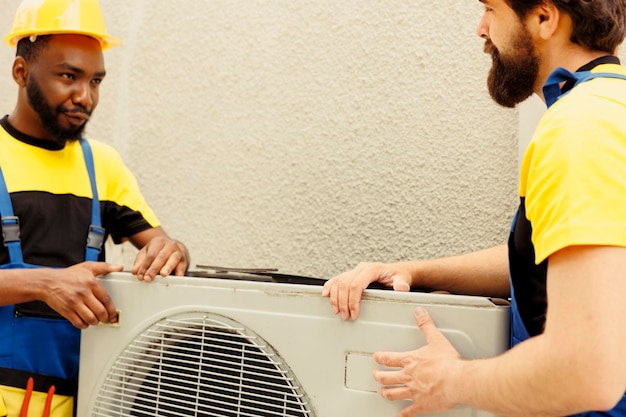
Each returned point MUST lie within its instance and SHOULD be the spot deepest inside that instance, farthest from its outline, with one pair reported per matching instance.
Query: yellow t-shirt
(51, 194)
(573, 175)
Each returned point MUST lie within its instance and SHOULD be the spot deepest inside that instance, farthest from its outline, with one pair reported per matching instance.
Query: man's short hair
(29, 50)
(598, 25)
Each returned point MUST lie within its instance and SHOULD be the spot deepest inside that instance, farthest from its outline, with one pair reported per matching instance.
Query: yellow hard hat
(49, 17)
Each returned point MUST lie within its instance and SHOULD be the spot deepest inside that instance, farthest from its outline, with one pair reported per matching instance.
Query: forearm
(22, 285)
(483, 272)
(577, 363)
(537, 378)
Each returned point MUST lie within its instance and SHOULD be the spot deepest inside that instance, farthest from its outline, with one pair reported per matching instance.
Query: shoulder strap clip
(10, 229)
(95, 237)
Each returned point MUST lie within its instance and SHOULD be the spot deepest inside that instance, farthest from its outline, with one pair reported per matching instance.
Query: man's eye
(68, 76)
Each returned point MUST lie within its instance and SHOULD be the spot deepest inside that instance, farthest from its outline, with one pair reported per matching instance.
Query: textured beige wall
(307, 135)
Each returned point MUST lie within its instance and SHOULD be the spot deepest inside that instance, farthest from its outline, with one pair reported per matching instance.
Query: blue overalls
(35, 340)
(519, 333)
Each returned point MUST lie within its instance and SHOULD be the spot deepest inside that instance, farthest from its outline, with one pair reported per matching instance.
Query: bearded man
(564, 267)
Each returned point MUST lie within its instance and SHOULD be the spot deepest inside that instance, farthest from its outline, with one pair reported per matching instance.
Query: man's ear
(20, 71)
(545, 20)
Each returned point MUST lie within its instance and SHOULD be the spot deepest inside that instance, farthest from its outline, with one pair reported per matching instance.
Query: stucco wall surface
(307, 135)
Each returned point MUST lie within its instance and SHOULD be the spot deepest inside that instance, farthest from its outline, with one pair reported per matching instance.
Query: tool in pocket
(29, 392)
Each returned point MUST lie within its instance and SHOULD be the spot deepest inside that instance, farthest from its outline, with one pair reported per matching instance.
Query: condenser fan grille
(200, 365)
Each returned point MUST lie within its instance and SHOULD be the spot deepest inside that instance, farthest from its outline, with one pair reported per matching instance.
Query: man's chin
(63, 135)
(62, 138)
(508, 101)
(509, 91)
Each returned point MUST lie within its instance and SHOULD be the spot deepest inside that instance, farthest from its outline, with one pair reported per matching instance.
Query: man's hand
(161, 256)
(422, 372)
(345, 290)
(76, 294)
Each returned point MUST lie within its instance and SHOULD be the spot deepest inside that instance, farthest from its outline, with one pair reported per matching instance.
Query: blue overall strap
(552, 87)
(10, 224)
(95, 238)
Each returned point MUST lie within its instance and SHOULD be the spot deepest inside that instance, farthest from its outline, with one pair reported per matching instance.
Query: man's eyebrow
(77, 70)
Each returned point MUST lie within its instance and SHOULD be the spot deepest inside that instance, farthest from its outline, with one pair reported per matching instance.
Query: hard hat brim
(106, 41)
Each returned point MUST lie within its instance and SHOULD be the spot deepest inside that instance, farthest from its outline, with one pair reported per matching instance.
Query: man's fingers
(354, 301)
(99, 306)
(181, 269)
(394, 392)
(93, 314)
(102, 268)
(170, 264)
(400, 285)
(426, 325)
(390, 359)
(388, 377)
(342, 299)
(77, 321)
(160, 257)
(138, 263)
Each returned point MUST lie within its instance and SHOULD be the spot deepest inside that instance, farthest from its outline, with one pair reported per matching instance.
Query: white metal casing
(328, 358)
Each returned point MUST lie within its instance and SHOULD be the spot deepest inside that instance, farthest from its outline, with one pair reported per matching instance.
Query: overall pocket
(25, 394)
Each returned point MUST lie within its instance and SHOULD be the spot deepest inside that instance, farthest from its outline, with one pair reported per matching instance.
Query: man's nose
(483, 27)
(83, 95)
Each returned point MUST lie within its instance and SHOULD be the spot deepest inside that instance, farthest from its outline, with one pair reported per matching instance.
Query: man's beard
(512, 78)
(49, 116)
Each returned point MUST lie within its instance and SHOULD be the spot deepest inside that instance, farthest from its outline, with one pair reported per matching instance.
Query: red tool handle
(29, 391)
(46, 409)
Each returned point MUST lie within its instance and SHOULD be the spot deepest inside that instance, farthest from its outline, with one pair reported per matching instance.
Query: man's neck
(28, 124)
(571, 59)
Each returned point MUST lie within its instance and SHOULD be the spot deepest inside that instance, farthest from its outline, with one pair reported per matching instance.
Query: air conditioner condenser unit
(220, 347)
